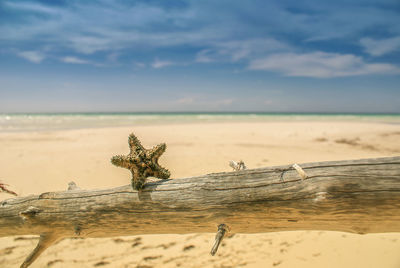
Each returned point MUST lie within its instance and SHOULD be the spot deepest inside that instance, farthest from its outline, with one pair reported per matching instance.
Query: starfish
(142, 162)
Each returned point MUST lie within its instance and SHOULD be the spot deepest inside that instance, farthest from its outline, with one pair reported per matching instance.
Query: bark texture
(359, 196)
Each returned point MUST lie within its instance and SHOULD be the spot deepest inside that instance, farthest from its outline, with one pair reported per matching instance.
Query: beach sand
(36, 162)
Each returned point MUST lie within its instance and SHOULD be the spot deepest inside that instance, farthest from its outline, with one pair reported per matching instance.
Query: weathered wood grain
(359, 196)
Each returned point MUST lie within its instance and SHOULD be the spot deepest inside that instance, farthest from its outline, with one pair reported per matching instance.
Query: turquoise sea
(48, 121)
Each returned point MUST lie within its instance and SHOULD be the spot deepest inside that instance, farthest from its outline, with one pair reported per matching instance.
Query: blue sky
(157, 55)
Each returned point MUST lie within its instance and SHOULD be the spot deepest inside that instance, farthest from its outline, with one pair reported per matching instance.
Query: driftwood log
(358, 196)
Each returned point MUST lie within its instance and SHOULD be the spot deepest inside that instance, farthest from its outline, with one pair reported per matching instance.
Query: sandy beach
(40, 161)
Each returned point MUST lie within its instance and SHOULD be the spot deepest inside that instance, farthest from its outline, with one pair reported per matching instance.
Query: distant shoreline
(62, 121)
(205, 113)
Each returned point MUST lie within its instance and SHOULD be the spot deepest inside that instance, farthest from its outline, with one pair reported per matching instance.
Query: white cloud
(74, 60)
(88, 28)
(224, 102)
(187, 100)
(32, 56)
(113, 57)
(89, 44)
(380, 47)
(109, 26)
(320, 65)
(201, 102)
(139, 64)
(240, 50)
(115, 27)
(161, 64)
(28, 6)
(204, 56)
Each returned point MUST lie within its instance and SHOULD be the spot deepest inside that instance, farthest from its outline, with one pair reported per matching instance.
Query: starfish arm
(138, 179)
(139, 183)
(162, 173)
(120, 161)
(157, 151)
(134, 144)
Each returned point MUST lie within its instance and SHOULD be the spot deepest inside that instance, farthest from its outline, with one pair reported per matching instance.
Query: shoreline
(59, 122)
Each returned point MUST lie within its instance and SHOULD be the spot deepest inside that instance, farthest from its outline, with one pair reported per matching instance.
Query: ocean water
(36, 122)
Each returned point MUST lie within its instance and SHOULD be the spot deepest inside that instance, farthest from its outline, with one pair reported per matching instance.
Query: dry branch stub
(359, 196)
(3, 188)
(222, 229)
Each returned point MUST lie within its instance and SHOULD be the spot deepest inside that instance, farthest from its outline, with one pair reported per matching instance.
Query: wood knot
(47, 195)
(77, 230)
(320, 196)
(29, 213)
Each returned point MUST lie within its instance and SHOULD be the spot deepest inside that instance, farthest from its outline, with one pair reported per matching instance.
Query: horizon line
(200, 112)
